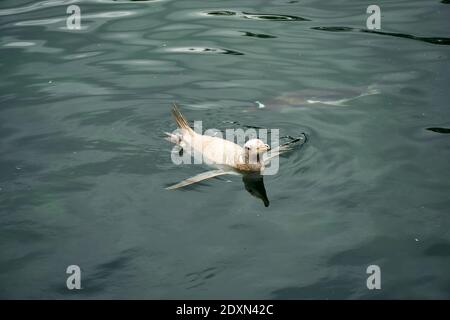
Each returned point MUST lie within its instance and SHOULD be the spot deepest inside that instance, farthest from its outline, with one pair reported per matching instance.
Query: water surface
(83, 163)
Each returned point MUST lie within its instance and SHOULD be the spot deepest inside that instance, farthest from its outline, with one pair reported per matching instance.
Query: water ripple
(433, 40)
(257, 35)
(204, 50)
(273, 17)
(257, 16)
(440, 130)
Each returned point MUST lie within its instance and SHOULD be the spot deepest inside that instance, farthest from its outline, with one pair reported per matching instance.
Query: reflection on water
(434, 40)
(83, 165)
(254, 184)
(257, 16)
(204, 50)
(439, 130)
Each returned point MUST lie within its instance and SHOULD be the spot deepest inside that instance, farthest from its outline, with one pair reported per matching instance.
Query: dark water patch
(107, 269)
(204, 274)
(433, 40)
(21, 196)
(411, 91)
(273, 17)
(23, 233)
(222, 13)
(257, 16)
(197, 279)
(257, 35)
(378, 247)
(59, 185)
(342, 286)
(13, 169)
(445, 1)
(334, 29)
(19, 263)
(102, 117)
(205, 50)
(239, 226)
(135, 0)
(225, 51)
(360, 255)
(326, 288)
(438, 250)
(117, 269)
(5, 132)
(439, 130)
(196, 285)
(237, 124)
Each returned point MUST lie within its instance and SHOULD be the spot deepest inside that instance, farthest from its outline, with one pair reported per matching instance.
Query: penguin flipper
(200, 177)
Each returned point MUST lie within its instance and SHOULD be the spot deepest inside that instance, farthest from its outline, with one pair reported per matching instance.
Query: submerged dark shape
(273, 17)
(254, 184)
(222, 13)
(232, 52)
(211, 51)
(334, 29)
(439, 130)
(257, 35)
(433, 40)
(257, 16)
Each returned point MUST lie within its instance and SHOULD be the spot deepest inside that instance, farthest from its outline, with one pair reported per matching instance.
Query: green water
(83, 162)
